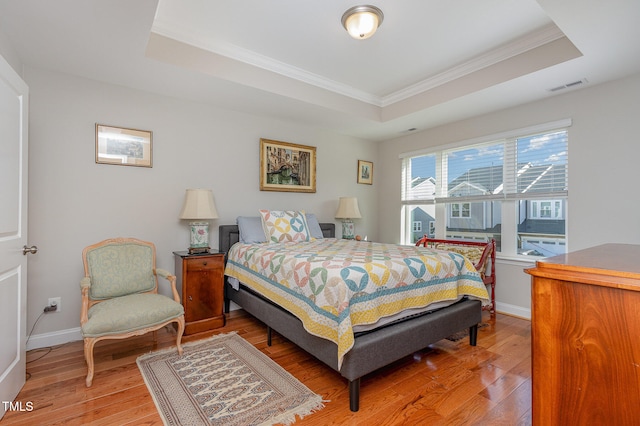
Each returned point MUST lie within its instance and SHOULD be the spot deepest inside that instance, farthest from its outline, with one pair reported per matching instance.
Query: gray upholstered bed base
(371, 350)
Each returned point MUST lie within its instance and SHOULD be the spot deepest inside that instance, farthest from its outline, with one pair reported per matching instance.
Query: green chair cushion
(120, 269)
(130, 313)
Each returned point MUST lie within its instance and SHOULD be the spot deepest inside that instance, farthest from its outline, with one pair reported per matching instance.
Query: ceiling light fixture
(362, 21)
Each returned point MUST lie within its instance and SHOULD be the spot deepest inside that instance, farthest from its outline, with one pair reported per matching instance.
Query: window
(547, 209)
(417, 226)
(466, 190)
(460, 209)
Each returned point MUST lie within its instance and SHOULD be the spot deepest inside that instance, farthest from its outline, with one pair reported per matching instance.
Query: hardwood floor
(448, 383)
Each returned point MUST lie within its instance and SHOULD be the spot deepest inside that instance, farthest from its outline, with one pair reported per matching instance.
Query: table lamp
(199, 208)
(347, 210)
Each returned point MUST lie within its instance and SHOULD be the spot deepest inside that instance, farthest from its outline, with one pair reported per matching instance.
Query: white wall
(9, 54)
(74, 202)
(603, 171)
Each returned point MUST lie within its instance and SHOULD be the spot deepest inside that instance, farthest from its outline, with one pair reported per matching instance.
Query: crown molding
(261, 61)
(532, 40)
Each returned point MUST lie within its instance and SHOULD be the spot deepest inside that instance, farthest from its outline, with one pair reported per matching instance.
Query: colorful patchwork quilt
(332, 285)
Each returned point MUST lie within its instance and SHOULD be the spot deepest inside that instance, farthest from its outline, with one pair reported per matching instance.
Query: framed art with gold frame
(365, 172)
(287, 167)
(123, 147)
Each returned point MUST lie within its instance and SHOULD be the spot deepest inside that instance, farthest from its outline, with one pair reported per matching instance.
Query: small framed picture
(123, 147)
(365, 172)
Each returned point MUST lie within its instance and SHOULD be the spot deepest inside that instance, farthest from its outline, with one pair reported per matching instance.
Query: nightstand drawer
(206, 263)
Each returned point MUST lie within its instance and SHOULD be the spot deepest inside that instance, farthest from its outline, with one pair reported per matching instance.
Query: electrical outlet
(57, 301)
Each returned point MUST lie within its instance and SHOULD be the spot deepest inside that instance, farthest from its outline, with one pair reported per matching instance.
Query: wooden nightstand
(200, 283)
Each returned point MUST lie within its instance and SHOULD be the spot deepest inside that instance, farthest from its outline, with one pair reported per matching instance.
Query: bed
(369, 349)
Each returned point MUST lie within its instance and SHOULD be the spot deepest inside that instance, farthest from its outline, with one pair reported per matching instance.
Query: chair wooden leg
(88, 356)
(179, 334)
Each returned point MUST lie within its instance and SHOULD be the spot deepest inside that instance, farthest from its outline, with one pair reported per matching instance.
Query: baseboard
(60, 337)
(72, 334)
(513, 310)
(54, 338)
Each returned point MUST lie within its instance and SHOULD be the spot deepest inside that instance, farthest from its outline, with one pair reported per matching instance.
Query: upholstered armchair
(120, 295)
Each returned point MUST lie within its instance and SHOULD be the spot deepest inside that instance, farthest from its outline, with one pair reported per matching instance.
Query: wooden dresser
(585, 337)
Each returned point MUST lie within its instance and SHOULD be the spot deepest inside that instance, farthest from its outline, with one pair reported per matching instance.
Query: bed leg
(354, 394)
(473, 335)
(227, 301)
(268, 336)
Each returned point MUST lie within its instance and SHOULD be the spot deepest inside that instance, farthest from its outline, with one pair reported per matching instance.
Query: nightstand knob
(190, 298)
(204, 263)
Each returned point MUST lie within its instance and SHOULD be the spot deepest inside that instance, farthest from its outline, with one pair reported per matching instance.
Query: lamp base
(348, 229)
(199, 250)
(199, 238)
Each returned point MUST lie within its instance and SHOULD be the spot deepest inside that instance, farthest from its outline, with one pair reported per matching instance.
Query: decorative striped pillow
(285, 226)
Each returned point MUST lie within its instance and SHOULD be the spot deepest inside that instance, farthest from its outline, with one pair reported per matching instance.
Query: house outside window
(469, 188)
(546, 209)
(460, 210)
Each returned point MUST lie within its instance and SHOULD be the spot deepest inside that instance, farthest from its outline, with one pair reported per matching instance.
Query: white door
(13, 233)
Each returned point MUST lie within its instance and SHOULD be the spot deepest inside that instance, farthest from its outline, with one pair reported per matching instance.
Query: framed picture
(365, 172)
(124, 147)
(287, 167)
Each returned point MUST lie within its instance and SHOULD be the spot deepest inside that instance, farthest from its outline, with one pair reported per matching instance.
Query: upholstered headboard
(229, 235)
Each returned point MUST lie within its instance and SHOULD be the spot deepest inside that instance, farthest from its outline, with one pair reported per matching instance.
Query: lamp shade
(198, 204)
(361, 22)
(348, 208)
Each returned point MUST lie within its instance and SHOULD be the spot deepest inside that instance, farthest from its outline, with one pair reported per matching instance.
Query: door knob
(26, 250)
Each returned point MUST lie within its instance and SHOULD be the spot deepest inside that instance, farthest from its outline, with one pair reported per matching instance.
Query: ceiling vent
(569, 85)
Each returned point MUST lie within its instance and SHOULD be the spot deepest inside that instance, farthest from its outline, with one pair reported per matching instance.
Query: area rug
(224, 380)
(464, 333)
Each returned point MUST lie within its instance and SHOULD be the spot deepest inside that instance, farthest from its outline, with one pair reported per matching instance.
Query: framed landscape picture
(365, 172)
(123, 147)
(287, 167)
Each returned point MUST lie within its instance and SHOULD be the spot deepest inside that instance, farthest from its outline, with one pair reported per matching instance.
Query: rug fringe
(290, 417)
(185, 345)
